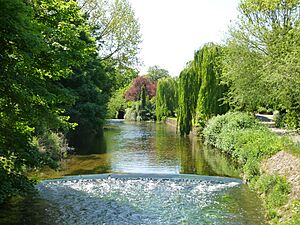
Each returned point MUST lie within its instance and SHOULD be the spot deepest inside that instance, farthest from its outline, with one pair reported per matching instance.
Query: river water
(148, 183)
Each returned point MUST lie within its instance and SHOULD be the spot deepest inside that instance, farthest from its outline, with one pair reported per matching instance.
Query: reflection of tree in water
(189, 151)
(219, 162)
(86, 142)
(197, 158)
(165, 143)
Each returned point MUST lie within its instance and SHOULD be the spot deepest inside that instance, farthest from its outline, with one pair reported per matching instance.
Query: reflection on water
(128, 147)
(147, 148)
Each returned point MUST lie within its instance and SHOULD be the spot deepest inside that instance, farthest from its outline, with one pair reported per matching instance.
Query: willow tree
(166, 98)
(200, 90)
(207, 64)
(188, 89)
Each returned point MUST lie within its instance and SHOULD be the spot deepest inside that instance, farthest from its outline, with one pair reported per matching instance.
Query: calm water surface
(128, 147)
(145, 149)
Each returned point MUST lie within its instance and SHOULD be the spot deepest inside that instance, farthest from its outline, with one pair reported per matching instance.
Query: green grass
(295, 220)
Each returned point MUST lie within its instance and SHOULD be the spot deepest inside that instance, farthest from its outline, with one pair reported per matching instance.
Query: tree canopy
(166, 98)
(116, 30)
(262, 61)
(134, 91)
(200, 91)
(50, 76)
(155, 73)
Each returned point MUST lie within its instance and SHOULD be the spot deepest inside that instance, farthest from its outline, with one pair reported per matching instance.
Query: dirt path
(268, 120)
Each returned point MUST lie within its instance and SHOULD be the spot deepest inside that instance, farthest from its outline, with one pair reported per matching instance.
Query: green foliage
(262, 63)
(276, 190)
(231, 122)
(54, 145)
(166, 98)
(143, 97)
(116, 29)
(90, 88)
(155, 73)
(244, 138)
(116, 103)
(188, 89)
(248, 142)
(50, 73)
(295, 213)
(122, 77)
(200, 91)
(207, 64)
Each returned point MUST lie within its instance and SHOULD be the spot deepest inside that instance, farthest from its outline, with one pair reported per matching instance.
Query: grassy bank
(250, 143)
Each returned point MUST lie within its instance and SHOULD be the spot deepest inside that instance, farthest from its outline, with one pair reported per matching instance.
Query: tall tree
(134, 91)
(41, 41)
(155, 73)
(116, 30)
(211, 91)
(262, 66)
(166, 98)
(188, 89)
(200, 90)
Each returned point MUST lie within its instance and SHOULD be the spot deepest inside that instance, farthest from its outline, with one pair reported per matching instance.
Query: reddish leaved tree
(134, 92)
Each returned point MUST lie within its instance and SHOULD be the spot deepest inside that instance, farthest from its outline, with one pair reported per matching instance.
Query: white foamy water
(125, 200)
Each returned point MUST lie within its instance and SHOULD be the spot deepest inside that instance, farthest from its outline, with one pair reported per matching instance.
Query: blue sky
(173, 29)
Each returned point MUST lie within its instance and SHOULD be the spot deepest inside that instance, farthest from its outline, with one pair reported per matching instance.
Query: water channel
(153, 179)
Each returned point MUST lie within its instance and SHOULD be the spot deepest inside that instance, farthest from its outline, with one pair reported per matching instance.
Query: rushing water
(150, 191)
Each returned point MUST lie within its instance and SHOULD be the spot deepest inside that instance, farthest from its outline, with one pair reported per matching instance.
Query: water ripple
(140, 200)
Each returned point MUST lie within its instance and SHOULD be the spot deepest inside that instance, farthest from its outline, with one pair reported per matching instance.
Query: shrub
(53, 144)
(220, 127)
(244, 138)
(276, 190)
(248, 141)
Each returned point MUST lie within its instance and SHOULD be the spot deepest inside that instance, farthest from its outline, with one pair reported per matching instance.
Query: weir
(140, 173)
(147, 199)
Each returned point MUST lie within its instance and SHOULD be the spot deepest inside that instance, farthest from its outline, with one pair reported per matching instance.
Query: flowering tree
(134, 91)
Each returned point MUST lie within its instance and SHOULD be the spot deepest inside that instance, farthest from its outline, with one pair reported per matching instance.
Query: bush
(289, 119)
(276, 190)
(54, 145)
(296, 213)
(246, 140)
(220, 126)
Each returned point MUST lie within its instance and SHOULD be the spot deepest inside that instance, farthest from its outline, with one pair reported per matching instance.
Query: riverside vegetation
(56, 79)
(66, 67)
(249, 142)
(257, 70)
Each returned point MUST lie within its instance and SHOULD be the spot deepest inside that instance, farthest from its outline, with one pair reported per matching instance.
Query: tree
(155, 73)
(200, 91)
(116, 103)
(134, 91)
(116, 30)
(211, 91)
(188, 90)
(166, 98)
(41, 42)
(90, 87)
(262, 63)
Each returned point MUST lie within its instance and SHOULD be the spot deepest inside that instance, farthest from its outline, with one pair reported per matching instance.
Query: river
(145, 161)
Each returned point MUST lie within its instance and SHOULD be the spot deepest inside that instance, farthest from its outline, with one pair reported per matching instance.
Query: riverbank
(270, 162)
(287, 165)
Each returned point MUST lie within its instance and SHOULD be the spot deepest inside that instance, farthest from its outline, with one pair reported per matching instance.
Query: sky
(172, 30)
